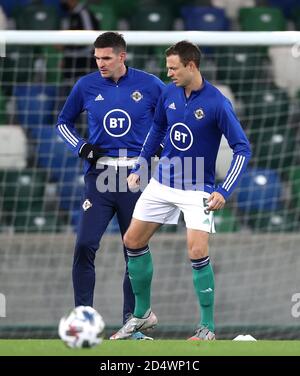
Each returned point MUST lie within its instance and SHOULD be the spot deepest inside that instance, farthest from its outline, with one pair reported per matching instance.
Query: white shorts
(162, 204)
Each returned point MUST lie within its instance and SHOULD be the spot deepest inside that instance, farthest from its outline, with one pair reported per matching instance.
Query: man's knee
(197, 252)
(85, 249)
(132, 242)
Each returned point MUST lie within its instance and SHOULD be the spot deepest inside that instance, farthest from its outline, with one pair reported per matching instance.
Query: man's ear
(191, 65)
(123, 56)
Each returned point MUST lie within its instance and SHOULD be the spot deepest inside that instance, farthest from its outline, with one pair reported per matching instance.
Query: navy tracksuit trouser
(92, 225)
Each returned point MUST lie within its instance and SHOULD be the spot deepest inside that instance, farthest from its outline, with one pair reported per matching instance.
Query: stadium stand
(105, 14)
(286, 6)
(13, 146)
(155, 17)
(232, 6)
(285, 67)
(261, 19)
(260, 191)
(36, 16)
(204, 18)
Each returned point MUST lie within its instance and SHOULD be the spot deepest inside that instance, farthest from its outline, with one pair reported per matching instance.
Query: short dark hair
(111, 39)
(186, 51)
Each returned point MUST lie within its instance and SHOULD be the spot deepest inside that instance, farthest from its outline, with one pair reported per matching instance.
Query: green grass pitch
(151, 348)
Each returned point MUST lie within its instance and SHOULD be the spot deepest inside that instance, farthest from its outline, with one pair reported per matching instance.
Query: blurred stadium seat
(9, 5)
(262, 19)
(155, 17)
(285, 6)
(52, 60)
(275, 221)
(265, 107)
(53, 155)
(13, 147)
(237, 67)
(3, 19)
(204, 18)
(36, 16)
(226, 221)
(123, 9)
(286, 68)
(17, 67)
(259, 190)
(232, 6)
(35, 104)
(21, 190)
(105, 14)
(275, 148)
(295, 16)
(36, 221)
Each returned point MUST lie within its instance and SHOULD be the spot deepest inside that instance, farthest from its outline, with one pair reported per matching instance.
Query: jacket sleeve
(65, 125)
(237, 140)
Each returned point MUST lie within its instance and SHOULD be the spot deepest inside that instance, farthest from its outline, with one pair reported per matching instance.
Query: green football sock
(205, 290)
(140, 272)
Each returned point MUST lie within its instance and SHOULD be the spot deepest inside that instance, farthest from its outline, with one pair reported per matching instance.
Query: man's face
(181, 75)
(109, 62)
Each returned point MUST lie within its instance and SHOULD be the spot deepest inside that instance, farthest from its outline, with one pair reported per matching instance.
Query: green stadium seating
(35, 222)
(18, 66)
(53, 59)
(106, 16)
(151, 18)
(36, 16)
(21, 190)
(237, 67)
(159, 52)
(226, 221)
(122, 9)
(277, 221)
(275, 148)
(262, 19)
(265, 107)
(295, 14)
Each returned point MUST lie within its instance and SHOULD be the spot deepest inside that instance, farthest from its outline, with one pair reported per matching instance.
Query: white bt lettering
(179, 136)
(116, 122)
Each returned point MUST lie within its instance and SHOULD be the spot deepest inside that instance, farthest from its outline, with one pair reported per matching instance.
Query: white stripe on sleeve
(68, 135)
(231, 178)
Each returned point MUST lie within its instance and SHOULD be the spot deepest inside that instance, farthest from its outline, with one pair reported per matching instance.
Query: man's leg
(140, 265)
(125, 205)
(203, 277)
(140, 269)
(94, 217)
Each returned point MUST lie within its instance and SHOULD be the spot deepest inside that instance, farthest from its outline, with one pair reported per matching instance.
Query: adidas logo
(207, 290)
(206, 222)
(91, 155)
(99, 98)
(172, 106)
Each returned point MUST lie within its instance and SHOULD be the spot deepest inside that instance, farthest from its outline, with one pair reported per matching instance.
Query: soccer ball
(83, 327)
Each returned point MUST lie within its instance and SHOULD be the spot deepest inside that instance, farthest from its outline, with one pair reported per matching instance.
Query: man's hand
(91, 152)
(215, 201)
(159, 151)
(133, 181)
